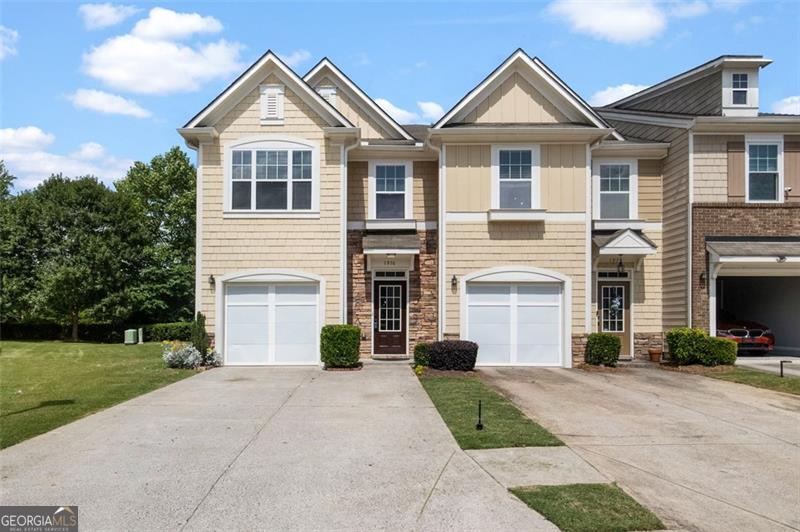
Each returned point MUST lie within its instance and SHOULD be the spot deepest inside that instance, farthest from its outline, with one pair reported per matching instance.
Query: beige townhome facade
(523, 220)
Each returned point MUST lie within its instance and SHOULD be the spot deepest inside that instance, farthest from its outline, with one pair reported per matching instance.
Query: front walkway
(701, 453)
(266, 448)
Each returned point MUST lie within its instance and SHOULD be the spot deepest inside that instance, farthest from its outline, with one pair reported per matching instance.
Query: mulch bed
(354, 368)
(601, 369)
(430, 372)
(695, 369)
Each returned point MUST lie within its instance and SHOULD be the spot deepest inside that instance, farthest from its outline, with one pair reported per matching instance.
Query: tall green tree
(163, 191)
(6, 181)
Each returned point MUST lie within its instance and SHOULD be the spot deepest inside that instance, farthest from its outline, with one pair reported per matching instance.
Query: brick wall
(733, 219)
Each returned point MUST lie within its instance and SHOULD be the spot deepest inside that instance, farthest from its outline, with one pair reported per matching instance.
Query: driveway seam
(242, 450)
(693, 490)
(433, 488)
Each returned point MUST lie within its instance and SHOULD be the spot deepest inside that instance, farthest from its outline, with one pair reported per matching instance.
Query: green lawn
(588, 508)
(759, 379)
(47, 384)
(456, 399)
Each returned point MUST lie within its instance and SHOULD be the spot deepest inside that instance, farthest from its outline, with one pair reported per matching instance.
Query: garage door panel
(295, 334)
(490, 328)
(296, 294)
(245, 294)
(538, 354)
(538, 294)
(247, 334)
(489, 293)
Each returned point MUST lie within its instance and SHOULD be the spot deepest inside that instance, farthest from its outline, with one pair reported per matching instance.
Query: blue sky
(88, 88)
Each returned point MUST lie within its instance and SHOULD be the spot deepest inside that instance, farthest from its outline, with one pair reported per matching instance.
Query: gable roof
(368, 103)
(624, 242)
(693, 74)
(535, 65)
(248, 81)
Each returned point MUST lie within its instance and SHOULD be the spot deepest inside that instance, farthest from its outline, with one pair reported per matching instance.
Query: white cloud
(165, 24)
(149, 61)
(24, 139)
(787, 106)
(8, 42)
(431, 110)
(621, 21)
(97, 16)
(104, 102)
(23, 151)
(612, 94)
(296, 57)
(401, 115)
(689, 9)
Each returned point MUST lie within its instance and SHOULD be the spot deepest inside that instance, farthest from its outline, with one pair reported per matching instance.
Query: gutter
(343, 153)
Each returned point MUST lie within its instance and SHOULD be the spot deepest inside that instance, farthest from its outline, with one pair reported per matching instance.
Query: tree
(6, 181)
(164, 192)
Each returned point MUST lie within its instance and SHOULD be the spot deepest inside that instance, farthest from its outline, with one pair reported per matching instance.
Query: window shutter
(791, 166)
(271, 102)
(736, 171)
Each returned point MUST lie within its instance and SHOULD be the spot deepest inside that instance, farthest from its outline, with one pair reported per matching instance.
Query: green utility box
(131, 336)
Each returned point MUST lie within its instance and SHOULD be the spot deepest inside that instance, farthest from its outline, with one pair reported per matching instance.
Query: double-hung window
(739, 85)
(763, 171)
(515, 173)
(390, 190)
(271, 179)
(615, 189)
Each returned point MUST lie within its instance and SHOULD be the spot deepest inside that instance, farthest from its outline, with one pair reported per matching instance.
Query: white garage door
(516, 324)
(271, 324)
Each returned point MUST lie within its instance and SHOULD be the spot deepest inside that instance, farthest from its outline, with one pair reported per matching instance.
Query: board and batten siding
(515, 101)
(650, 197)
(675, 219)
(557, 246)
(236, 244)
(425, 181)
(562, 187)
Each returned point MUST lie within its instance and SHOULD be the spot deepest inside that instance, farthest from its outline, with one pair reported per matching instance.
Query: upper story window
(515, 172)
(616, 189)
(271, 104)
(272, 177)
(390, 190)
(739, 85)
(764, 180)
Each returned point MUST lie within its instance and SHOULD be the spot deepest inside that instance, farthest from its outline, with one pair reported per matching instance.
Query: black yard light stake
(479, 425)
(782, 362)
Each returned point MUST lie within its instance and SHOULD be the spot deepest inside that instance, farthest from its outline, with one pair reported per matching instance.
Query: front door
(389, 318)
(614, 312)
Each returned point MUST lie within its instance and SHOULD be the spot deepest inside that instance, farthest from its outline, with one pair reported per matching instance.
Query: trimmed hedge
(694, 346)
(458, 355)
(421, 357)
(339, 346)
(166, 332)
(603, 349)
(87, 332)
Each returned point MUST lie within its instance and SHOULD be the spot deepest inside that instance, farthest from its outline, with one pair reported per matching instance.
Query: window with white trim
(271, 104)
(515, 173)
(390, 190)
(763, 172)
(740, 86)
(272, 176)
(615, 191)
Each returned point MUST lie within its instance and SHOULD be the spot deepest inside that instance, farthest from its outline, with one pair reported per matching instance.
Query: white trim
(390, 225)
(517, 215)
(523, 274)
(271, 142)
(391, 251)
(375, 108)
(442, 239)
(633, 188)
(265, 91)
(641, 225)
(535, 180)
(631, 303)
(375, 279)
(343, 284)
(264, 276)
(758, 259)
(689, 215)
(641, 117)
(289, 215)
(408, 192)
(483, 217)
(769, 140)
(640, 246)
(587, 311)
(360, 225)
(198, 235)
(241, 87)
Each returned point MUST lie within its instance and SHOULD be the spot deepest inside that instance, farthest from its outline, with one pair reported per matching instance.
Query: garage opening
(760, 311)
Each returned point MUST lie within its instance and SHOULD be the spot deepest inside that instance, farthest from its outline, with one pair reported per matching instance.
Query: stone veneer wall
(733, 219)
(422, 292)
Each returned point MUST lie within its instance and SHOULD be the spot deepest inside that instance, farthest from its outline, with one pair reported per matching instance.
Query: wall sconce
(781, 259)
(703, 277)
(454, 283)
(620, 266)
(211, 280)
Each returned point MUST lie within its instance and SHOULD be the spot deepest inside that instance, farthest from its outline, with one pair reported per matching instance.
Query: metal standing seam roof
(755, 249)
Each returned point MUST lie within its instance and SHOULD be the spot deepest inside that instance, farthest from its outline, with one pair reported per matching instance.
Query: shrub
(686, 345)
(181, 355)
(212, 359)
(165, 332)
(421, 357)
(339, 346)
(199, 337)
(458, 355)
(718, 351)
(603, 348)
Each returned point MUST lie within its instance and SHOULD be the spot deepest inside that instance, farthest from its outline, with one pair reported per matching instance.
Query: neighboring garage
(271, 323)
(756, 280)
(517, 317)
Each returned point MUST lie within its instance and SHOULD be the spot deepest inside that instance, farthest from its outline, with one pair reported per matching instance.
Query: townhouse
(523, 219)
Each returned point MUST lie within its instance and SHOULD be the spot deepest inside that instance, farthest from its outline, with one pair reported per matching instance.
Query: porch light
(211, 280)
(620, 266)
(454, 283)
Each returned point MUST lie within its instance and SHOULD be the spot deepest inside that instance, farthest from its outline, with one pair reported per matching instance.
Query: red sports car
(752, 337)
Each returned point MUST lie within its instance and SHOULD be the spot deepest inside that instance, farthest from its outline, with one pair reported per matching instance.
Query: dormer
(740, 91)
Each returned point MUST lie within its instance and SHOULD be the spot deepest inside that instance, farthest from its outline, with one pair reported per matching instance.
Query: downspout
(441, 152)
(690, 275)
(198, 232)
(343, 152)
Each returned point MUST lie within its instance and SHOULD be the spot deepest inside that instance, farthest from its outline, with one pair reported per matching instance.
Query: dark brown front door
(614, 312)
(389, 318)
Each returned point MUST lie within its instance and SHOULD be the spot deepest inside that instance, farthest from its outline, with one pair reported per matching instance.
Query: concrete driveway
(702, 454)
(771, 363)
(266, 449)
